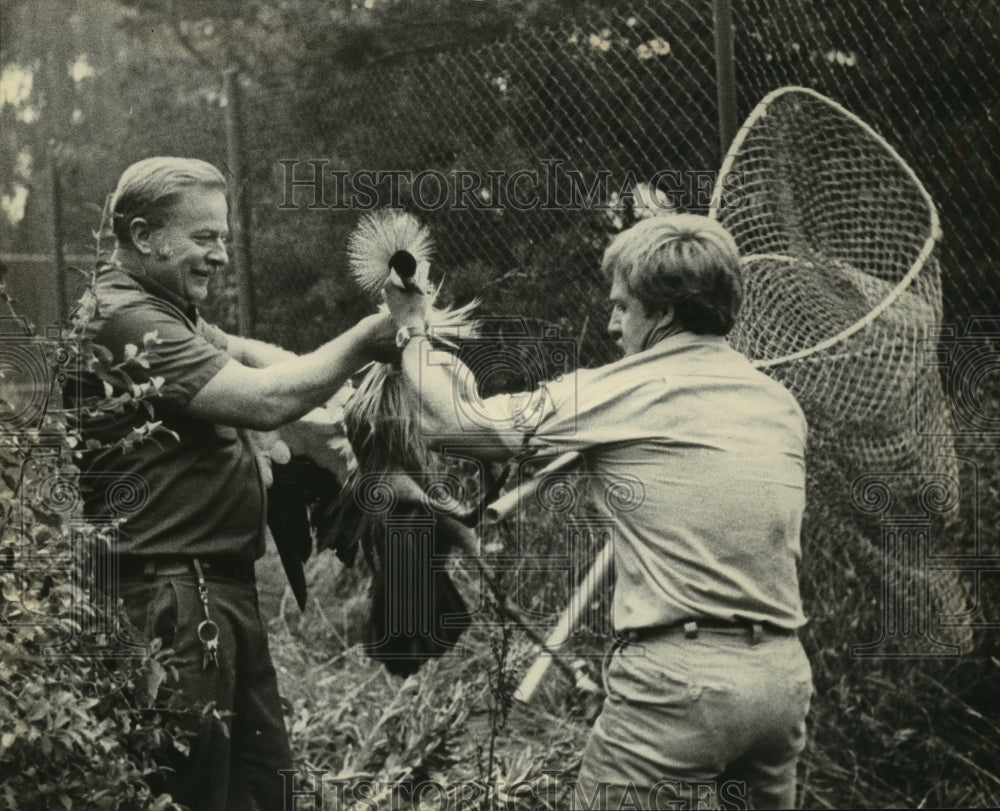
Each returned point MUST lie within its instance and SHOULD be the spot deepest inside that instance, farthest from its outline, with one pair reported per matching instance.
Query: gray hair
(150, 187)
(685, 260)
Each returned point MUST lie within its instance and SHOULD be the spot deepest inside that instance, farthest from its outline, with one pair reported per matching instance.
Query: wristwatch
(405, 334)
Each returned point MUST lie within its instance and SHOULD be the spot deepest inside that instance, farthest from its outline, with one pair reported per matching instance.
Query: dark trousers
(240, 744)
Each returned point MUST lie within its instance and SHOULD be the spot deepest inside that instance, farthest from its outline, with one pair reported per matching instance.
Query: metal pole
(240, 204)
(725, 72)
(503, 506)
(567, 623)
(58, 237)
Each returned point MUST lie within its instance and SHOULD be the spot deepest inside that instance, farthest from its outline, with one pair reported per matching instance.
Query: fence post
(725, 72)
(240, 207)
(58, 237)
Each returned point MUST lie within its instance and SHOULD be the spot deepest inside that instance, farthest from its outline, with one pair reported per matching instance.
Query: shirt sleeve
(215, 336)
(183, 356)
(556, 415)
(582, 411)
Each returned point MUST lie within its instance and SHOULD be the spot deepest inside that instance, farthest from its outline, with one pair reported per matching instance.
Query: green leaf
(102, 354)
(150, 676)
(41, 708)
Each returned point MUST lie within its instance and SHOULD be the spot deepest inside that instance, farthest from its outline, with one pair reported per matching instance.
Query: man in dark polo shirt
(187, 506)
(707, 684)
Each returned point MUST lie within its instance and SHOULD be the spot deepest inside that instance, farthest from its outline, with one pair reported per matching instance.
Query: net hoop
(924, 254)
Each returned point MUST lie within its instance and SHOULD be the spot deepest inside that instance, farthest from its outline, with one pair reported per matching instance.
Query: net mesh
(841, 290)
(836, 234)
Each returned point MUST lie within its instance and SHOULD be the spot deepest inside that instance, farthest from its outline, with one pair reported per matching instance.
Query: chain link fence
(921, 74)
(524, 155)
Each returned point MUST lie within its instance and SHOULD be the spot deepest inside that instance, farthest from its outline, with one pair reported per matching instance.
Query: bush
(84, 723)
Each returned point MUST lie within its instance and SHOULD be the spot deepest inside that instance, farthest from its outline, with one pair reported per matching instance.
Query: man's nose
(613, 327)
(218, 255)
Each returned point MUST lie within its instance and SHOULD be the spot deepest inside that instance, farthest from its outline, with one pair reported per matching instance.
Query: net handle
(935, 223)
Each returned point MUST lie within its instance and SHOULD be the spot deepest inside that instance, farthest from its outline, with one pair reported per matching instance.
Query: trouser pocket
(151, 608)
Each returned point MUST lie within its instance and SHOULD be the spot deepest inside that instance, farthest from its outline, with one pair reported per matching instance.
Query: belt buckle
(154, 567)
(219, 569)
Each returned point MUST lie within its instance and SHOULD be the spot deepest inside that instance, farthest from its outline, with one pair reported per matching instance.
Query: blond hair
(150, 187)
(682, 260)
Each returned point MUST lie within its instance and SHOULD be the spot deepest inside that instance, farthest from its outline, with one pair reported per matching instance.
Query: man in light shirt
(708, 686)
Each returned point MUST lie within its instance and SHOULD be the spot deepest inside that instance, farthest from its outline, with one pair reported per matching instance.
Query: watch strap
(405, 334)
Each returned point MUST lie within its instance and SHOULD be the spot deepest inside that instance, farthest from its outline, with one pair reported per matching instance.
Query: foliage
(910, 731)
(429, 735)
(80, 730)
(85, 722)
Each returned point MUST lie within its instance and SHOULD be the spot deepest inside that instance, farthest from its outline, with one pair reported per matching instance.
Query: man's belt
(692, 627)
(148, 567)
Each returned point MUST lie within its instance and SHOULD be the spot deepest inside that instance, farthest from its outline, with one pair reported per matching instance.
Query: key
(208, 634)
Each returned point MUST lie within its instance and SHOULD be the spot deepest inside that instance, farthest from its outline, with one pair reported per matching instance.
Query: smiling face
(630, 324)
(190, 247)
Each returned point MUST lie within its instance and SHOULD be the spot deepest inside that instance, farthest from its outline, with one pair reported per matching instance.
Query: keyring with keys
(208, 631)
(208, 634)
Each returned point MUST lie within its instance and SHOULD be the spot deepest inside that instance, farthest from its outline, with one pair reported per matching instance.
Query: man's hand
(267, 398)
(269, 448)
(381, 340)
(408, 307)
(379, 328)
(319, 436)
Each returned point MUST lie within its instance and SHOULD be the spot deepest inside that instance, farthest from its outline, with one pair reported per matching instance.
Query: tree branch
(184, 40)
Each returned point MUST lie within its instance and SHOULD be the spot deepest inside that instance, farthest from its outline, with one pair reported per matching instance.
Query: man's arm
(282, 391)
(256, 354)
(446, 388)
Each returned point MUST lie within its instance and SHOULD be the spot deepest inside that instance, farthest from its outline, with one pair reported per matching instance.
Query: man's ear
(667, 317)
(140, 232)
